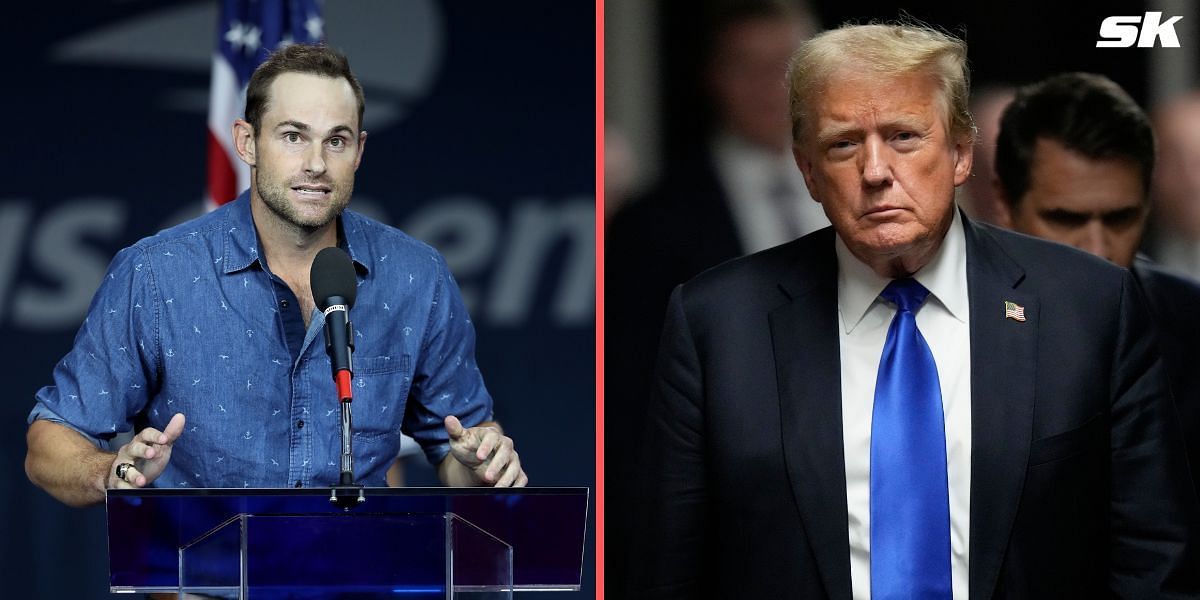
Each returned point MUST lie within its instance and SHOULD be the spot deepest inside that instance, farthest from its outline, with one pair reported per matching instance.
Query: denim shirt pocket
(380, 389)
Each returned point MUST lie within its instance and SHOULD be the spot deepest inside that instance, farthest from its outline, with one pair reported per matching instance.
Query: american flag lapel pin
(1014, 311)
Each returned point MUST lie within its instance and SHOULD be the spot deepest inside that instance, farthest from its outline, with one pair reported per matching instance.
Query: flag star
(252, 39)
(315, 27)
(235, 35)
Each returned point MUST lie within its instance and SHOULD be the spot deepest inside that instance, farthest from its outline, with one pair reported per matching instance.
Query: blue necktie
(910, 506)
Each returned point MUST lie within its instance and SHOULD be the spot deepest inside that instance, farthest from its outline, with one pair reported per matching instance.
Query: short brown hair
(297, 58)
(886, 49)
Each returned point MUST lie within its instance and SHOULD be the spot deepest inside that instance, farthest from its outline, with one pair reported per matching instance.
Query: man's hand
(483, 452)
(148, 452)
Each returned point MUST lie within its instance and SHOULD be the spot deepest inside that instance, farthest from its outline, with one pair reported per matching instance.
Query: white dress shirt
(766, 192)
(944, 321)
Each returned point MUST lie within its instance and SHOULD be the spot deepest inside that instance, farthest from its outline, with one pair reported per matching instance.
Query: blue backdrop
(482, 143)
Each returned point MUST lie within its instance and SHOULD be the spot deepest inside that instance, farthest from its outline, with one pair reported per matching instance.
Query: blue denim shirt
(191, 320)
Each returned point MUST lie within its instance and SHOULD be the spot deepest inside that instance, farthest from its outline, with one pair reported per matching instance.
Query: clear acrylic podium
(293, 543)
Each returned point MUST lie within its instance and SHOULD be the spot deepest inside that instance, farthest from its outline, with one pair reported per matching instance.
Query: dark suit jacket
(1078, 479)
(1175, 308)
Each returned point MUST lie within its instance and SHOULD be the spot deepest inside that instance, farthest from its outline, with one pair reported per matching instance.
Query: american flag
(247, 32)
(1014, 311)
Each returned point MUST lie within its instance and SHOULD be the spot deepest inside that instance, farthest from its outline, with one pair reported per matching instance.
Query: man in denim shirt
(214, 319)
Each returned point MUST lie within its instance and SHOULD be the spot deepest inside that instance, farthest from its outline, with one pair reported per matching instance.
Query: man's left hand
(487, 454)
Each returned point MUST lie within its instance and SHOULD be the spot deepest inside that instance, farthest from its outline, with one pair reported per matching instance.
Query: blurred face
(880, 161)
(747, 79)
(1177, 175)
(308, 149)
(1096, 205)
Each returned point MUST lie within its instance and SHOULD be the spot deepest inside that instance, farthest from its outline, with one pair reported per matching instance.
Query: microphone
(334, 289)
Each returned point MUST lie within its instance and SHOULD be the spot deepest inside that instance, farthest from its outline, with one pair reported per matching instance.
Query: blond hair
(888, 50)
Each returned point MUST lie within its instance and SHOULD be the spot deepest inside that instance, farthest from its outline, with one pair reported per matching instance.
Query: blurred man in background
(1074, 159)
(1174, 238)
(978, 195)
(736, 194)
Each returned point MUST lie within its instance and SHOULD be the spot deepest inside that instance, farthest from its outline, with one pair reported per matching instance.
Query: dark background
(1011, 42)
(481, 120)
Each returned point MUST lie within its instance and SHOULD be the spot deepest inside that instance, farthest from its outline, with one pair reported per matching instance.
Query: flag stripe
(247, 32)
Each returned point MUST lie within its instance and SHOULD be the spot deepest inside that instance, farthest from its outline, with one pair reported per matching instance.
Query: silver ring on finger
(123, 470)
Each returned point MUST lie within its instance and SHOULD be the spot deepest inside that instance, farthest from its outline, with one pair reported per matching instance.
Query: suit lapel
(1003, 363)
(808, 373)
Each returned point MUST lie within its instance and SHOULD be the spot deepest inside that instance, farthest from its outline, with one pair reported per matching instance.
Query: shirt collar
(242, 242)
(945, 276)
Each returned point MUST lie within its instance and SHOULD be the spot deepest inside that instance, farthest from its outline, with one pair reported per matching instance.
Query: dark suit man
(783, 398)
(1074, 158)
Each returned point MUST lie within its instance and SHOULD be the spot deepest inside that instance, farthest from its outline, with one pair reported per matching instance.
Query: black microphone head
(332, 275)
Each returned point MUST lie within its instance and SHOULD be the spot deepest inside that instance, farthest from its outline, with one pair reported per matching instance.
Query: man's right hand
(148, 452)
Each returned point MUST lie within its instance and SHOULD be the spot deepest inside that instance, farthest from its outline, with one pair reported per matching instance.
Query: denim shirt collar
(242, 242)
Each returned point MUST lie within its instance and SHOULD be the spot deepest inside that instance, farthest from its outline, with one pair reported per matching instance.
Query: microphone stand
(346, 493)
